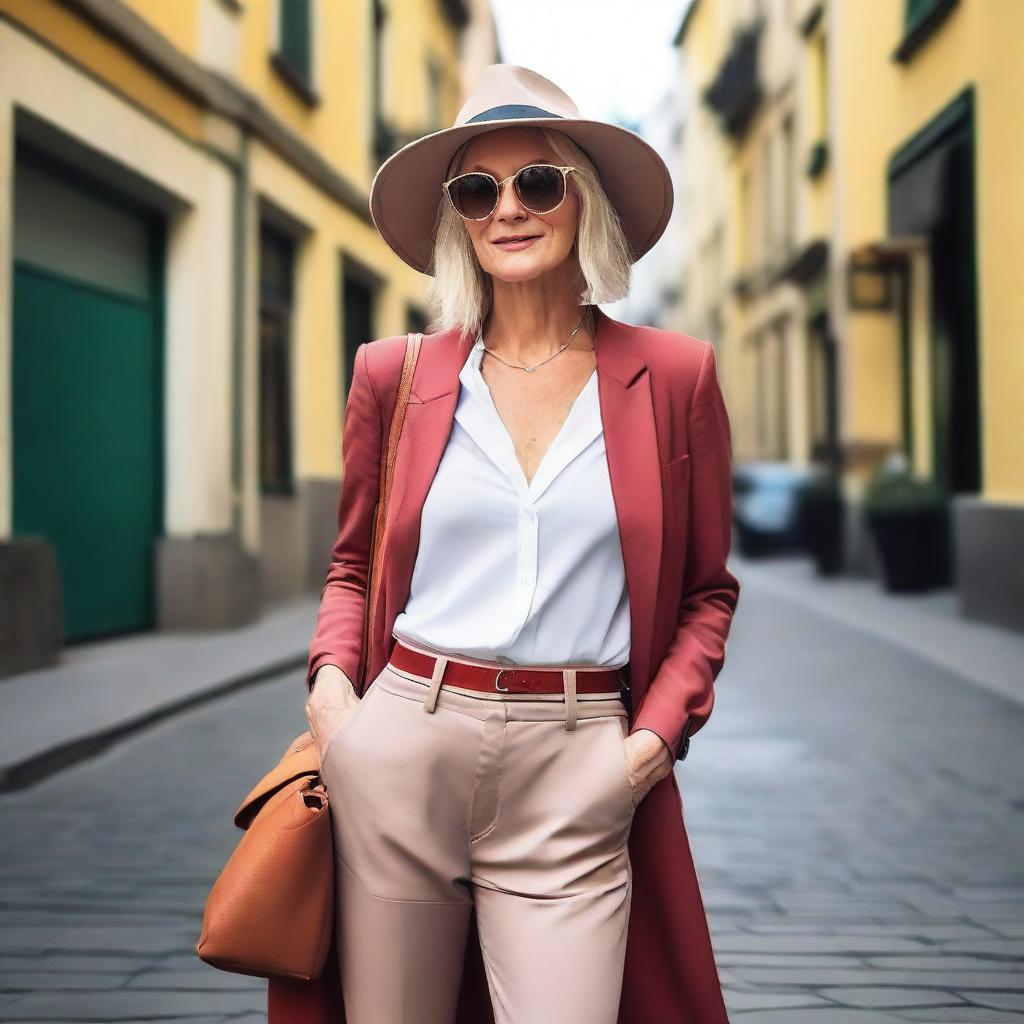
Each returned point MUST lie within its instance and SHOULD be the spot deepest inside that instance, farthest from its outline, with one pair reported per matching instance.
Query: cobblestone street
(857, 815)
(106, 868)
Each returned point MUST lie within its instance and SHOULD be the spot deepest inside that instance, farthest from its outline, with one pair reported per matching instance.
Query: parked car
(766, 506)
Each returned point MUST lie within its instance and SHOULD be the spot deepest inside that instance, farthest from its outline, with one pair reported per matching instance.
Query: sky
(613, 57)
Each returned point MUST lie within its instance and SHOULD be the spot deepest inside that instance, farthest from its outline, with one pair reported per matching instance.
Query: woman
(555, 598)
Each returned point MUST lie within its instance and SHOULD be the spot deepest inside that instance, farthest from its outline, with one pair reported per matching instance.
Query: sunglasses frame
(499, 185)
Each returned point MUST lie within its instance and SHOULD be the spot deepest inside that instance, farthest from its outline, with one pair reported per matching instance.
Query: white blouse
(517, 572)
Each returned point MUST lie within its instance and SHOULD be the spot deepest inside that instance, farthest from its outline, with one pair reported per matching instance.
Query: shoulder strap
(388, 454)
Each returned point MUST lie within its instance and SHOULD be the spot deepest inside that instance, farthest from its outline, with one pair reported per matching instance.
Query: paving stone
(943, 963)
(39, 981)
(132, 1006)
(86, 963)
(954, 980)
(891, 998)
(191, 1019)
(819, 943)
(1000, 1000)
(988, 947)
(738, 1002)
(784, 960)
(816, 1015)
(961, 1015)
(201, 978)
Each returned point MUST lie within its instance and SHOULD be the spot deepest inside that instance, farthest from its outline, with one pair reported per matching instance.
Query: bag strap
(380, 517)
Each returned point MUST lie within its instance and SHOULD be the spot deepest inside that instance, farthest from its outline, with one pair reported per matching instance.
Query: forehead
(505, 150)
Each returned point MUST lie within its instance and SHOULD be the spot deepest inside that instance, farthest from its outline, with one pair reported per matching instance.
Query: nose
(509, 206)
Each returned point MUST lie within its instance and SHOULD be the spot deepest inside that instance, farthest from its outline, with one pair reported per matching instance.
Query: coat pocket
(676, 461)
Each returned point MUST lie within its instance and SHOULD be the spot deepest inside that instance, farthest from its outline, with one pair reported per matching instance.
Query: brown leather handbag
(271, 911)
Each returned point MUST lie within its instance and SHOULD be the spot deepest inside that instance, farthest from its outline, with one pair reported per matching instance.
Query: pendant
(530, 369)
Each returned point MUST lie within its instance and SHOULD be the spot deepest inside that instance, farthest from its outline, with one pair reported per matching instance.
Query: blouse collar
(479, 416)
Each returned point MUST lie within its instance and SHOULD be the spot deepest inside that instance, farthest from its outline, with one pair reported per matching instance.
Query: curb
(26, 773)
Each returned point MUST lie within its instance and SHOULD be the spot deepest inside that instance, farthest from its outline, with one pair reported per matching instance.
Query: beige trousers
(444, 799)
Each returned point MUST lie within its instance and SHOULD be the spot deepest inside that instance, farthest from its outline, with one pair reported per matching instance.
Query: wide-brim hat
(406, 189)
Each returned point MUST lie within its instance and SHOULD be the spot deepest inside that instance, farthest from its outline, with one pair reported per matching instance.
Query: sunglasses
(541, 189)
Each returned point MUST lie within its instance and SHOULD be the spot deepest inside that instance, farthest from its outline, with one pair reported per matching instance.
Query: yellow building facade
(187, 265)
(858, 258)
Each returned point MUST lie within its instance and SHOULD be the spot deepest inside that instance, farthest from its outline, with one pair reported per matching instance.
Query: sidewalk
(928, 624)
(51, 718)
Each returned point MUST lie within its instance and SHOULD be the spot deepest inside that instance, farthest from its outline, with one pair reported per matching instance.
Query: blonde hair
(459, 294)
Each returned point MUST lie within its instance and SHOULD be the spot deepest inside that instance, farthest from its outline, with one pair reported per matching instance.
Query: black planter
(821, 513)
(914, 548)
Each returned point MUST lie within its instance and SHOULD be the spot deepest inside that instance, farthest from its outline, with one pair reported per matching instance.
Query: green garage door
(87, 394)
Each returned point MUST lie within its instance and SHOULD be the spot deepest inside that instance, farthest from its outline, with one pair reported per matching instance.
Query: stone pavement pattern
(857, 815)
(104, 869)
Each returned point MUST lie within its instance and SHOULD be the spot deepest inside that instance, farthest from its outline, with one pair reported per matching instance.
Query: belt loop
(569, 684)
(440, 664)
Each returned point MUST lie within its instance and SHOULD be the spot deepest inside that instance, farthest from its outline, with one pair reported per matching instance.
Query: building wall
(877, 112)
(182, 107)
(831, 66)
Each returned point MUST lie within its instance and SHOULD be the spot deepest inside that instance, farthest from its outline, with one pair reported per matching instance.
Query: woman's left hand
(648, 761)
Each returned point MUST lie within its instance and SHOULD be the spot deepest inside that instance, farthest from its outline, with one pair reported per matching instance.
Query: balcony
(735, 93)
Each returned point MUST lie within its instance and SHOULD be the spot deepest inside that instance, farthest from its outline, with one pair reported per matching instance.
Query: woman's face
(501, 153)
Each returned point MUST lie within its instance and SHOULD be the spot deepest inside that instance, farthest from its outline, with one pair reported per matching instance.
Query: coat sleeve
(338, 636)
(681, 694)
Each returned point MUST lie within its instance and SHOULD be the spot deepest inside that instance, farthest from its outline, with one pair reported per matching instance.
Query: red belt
(504, 678)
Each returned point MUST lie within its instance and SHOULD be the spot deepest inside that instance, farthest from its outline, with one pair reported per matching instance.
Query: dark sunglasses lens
(473, 195)
(540, 189)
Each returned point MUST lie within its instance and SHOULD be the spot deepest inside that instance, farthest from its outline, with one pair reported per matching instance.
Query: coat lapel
(631, 448)
(627, 416)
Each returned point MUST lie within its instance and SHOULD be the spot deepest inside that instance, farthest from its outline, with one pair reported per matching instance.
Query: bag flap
(301, 758)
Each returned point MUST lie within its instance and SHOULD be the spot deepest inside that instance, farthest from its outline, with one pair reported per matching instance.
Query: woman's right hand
(332, 698)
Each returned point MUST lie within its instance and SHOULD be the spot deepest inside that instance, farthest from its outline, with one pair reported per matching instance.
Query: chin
(513, 274)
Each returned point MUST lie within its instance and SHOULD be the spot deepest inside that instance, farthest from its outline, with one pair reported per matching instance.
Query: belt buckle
(497, 684)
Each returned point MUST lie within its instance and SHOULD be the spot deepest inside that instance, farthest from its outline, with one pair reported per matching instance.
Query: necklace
(562, 348)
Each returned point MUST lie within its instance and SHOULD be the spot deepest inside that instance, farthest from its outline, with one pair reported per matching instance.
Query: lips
(515, 245)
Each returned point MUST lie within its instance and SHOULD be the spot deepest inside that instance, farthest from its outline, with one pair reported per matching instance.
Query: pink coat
(668, 445)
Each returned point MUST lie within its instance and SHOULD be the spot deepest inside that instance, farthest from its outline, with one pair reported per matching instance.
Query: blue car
(766, 506)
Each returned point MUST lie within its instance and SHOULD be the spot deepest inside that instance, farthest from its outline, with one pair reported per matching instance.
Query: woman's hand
(332, 698)
(648, 761)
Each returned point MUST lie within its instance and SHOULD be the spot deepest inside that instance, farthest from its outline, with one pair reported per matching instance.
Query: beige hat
(406, 189)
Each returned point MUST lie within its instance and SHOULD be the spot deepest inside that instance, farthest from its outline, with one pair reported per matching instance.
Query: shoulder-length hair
(459, 294)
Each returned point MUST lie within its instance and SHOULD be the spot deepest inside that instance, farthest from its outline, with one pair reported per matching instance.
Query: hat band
(511, 110)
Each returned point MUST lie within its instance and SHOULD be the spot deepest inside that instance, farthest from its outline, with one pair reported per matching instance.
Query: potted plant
(821, 516)
(909, 520)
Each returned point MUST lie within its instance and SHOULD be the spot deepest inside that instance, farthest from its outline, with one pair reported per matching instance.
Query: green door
(87, 461)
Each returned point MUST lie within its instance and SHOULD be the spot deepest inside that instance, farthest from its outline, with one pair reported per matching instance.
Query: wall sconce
(869, 284)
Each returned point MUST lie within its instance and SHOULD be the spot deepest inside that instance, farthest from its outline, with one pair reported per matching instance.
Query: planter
(821, 514)
(914, 548)
(909, 521)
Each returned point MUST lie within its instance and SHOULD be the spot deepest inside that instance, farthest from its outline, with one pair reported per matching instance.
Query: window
(293, 58)
(768, 204)
(435, 90)
(921, 18)
(817, 159)
(277, 261)
(788, 184)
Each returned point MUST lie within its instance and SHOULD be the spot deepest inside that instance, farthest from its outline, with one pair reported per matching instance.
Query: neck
(527, 334)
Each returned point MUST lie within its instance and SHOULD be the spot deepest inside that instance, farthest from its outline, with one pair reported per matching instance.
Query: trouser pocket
(348, 721)
(622, 726)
